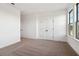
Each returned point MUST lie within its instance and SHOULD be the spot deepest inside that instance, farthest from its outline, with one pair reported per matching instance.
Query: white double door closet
(52, 27)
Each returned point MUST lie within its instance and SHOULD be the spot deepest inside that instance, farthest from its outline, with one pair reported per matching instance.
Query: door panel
(45, 27)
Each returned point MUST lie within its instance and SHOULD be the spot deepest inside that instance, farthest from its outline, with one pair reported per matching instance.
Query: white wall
(60, 26)
(72, 41)
(9, 25)
(30, 24)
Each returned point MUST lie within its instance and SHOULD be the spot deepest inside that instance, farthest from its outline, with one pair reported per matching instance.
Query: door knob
(46, 30)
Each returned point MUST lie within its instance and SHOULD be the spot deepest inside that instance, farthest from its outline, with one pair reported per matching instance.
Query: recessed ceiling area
(27, 8)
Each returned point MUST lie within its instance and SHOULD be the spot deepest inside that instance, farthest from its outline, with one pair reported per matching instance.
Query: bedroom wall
(28, 26)
(9, 25)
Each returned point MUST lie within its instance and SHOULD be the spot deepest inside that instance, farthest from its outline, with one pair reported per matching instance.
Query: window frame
(77, 18)
(70, 23)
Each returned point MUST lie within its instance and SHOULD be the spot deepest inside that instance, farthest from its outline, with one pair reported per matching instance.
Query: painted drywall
(60, 26)
(40, 7)
(30, 25)
(9, 25)
(72, 41)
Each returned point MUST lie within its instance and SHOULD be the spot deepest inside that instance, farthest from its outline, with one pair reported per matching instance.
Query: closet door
(60, 27)
(45, 26)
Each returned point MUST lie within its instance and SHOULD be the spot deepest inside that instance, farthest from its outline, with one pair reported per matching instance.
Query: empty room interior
(39, 29)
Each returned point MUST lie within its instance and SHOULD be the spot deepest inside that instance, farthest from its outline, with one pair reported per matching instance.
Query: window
(77, 25)
(71, 22)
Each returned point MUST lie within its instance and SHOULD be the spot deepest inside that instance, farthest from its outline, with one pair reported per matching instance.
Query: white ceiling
(40, 7)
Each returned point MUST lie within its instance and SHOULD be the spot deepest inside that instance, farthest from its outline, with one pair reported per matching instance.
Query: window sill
(73, 38)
